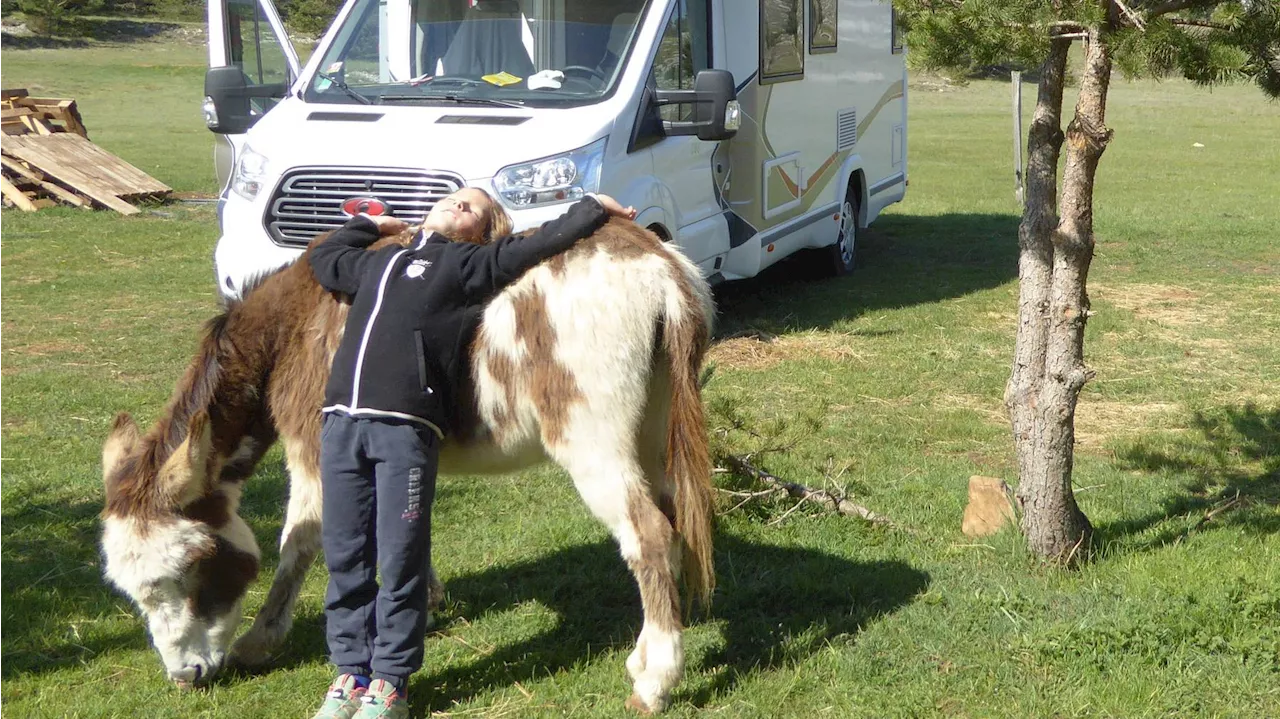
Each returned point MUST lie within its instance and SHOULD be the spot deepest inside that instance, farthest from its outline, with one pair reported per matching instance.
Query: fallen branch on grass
(1224, 506)
(799, 492)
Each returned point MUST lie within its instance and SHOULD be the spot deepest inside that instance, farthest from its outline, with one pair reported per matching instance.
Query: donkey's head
(173, 542)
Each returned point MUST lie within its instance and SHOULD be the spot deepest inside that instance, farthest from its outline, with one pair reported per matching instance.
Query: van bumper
(244, 251)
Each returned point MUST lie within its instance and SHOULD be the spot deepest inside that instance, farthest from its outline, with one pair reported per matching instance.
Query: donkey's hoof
(435, 592)
(635, 703)
(249, 652)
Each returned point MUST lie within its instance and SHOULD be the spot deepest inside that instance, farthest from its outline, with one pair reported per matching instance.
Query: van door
(248, 34)
(689, 167)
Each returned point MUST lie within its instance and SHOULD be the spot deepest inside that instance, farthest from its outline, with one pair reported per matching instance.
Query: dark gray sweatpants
(379, 479)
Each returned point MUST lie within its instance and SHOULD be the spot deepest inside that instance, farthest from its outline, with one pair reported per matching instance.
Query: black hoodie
(413, 310)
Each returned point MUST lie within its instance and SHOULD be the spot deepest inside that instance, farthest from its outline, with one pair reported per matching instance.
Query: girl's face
(460, 216)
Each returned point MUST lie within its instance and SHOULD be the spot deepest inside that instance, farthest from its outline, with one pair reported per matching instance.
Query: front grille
(308, 201)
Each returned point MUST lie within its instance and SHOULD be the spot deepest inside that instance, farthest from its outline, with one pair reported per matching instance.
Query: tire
(842, 254)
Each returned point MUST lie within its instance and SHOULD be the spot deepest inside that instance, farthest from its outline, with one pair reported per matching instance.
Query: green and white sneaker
(382, 701)
(343, 699)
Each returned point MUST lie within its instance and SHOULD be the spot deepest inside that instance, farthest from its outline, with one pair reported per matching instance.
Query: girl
(387, 406)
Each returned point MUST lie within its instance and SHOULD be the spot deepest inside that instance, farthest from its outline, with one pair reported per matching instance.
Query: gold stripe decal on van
(893, 93)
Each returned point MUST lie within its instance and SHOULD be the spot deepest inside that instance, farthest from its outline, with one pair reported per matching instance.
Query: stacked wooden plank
(47, 159)
(23, 114)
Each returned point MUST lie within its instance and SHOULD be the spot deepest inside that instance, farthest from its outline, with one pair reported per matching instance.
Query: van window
(540, 52)
(683, 52)
(265, 63)
(781, 51)
(822, 26)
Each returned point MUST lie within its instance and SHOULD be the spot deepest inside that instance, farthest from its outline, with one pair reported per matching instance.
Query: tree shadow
(1236, 455)
(904, 260)
(81, 32)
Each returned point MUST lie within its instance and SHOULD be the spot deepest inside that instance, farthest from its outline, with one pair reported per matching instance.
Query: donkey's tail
(686, 333)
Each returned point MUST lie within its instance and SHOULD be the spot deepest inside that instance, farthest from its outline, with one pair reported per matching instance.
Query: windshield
(500, 52)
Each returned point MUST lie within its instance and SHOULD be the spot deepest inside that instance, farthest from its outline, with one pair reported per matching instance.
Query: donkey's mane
(135, 492)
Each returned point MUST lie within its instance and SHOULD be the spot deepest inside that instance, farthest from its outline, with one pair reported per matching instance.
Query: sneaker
(343, 699)
(382, 701)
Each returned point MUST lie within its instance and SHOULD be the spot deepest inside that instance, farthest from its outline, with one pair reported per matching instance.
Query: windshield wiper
(459, 99)
(343, 87)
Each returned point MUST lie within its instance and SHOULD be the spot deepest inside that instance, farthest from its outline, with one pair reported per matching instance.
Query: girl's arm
(485, 269)
(340, 260)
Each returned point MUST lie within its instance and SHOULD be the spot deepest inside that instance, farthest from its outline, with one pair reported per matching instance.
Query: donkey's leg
(612, 484)
(651, 451)
(299, 545)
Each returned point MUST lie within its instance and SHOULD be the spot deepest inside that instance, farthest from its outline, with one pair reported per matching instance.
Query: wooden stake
(16, 196)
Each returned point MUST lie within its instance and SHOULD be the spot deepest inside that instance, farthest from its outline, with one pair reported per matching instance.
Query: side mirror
(716, 113)
(231, 104)
(226, 100)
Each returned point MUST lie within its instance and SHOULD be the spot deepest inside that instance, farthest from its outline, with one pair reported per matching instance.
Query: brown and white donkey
(591, 360)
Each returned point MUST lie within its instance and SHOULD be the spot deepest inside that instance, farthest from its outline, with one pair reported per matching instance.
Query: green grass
(815, 615)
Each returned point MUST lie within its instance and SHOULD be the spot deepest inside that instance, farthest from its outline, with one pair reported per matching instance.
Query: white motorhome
(742, 131)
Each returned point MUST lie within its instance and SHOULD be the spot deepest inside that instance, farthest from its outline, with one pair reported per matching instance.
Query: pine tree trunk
(1048, 368)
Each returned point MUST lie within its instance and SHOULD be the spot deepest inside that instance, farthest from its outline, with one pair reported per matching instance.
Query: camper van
(742, 131)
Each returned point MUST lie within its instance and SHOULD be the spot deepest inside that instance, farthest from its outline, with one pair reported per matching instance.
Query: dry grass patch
(1166, 305)
(44, 349)
(755, 349)
(1099, 421)
(991, 410)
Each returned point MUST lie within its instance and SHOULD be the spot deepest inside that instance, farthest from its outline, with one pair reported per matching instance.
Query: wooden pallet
(21, 114)
(46, 158)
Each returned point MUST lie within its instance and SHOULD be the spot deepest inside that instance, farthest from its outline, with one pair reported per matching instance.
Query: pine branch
(1171, 6)
(1134, 18)
(1199, 23)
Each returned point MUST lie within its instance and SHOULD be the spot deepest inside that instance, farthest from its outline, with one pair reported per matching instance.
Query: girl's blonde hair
(498, 223)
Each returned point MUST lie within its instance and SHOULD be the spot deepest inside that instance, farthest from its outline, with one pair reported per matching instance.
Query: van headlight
(560, 178)
(250, 172)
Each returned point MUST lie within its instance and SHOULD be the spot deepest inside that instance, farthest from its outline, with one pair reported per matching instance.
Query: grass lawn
(815, 615)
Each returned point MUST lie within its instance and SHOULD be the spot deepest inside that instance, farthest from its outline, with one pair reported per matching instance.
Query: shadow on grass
(53, 587)
(775, 605)
(904, 260)
(81, 32)
(1237, 454)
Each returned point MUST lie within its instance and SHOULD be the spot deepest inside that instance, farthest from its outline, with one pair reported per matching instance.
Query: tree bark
(1055, 253)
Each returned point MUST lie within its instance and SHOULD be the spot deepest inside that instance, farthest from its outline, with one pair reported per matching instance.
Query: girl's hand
(388, 225)
(615, 209)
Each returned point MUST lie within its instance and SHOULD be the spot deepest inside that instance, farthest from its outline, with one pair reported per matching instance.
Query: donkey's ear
(120, 442)
(184, 475)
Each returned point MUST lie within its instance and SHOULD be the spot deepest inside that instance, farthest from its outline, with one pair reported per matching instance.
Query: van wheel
(844, 252)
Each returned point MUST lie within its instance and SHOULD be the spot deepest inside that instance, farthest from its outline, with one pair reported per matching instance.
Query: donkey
(591, 360)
